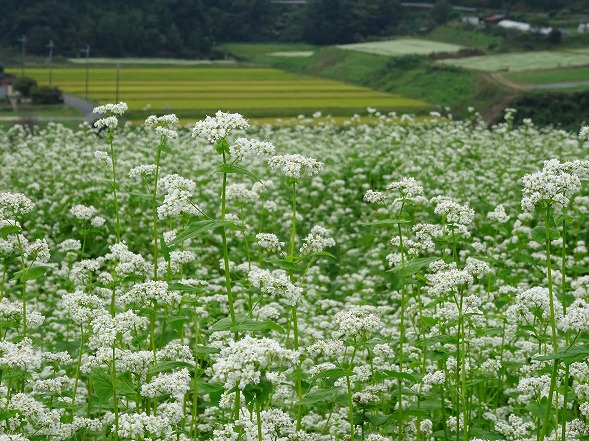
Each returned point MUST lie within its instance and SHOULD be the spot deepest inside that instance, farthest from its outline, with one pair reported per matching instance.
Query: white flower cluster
(14, 204)
(455, 213)
(142, 170)
(532, 303)
(162, 125)
(106, 330)
(553, 185)
(20, 355)
(127, 262)
(317, 240)
(177, 199)
(111, 109)
(83, 212)
(150, 292)
(136, 425)
(498, 214)
(218, 127)
(12, 311)
(242, 362)
(447, 280)
(409, 188)
(576, 318)
(269, 241)
(111, 122)
(276, 283)
(357, 320)
(103, 158)
(244, 148)
(293, 165)
(82, 307)
(584, 132)
(69, 245)
(175, 384)
(376, 197)
(37, 251)
(241, 194)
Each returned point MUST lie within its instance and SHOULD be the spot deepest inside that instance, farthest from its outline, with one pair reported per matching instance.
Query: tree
(24, 85)
(441, 12)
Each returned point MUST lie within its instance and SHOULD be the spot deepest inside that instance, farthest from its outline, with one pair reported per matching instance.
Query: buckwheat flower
(82, 307)
(532, 303)
(219, 127)
(584, 132)
(14, 204)
(376, 197)
(83, 212)
(111, 109)
(241, 194)
(110, 122)
(153, 292)
(127, 262)
(317, 240)
(37, 251)
(20, 355)
(69, 245)
(477, 268)
(409, 188)
(177, 199)
(314, 370)
(455, 213)
(13, 437)
(365, 397)
(242, 362)
(576, 318)
(329, 348)
(143, 171)
(356, 321)
(269, 242)
(276, 283)
(377, 437)
(244, 148)
(103, 158)
(175, 384)
(137, 426)
(97, 221)
(434, 378)
(498, 214)
(106, 329)
(293, 165)
(163, 125)
(447, 280)
(553, 185)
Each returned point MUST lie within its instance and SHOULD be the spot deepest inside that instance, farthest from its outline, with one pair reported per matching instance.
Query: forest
(192, 28)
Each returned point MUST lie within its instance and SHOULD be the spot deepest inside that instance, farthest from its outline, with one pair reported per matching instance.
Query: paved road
(84, 106)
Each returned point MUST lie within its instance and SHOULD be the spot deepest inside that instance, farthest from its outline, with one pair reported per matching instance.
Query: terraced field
(405, 46)
(192, 92)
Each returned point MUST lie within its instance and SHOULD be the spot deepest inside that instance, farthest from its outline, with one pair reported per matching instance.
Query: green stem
(115, 397)
(154, 207)
(350, 402)
(225, 250)
(79, 363)
(293, 230)
(111, 136)
(259, 418)
(23, 267)
(401, 332)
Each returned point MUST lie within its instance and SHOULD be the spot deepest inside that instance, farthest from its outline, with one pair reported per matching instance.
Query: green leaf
(232, 168)
(176, 286)
(539, 234)
(207, 350)
(165, 249)
(177, 322)
(165, 148)
(386, 222)
(559, 219)
(569, 355)
(198, 227)
(320, 396)
(381, 375)
(281, 263)
(333, 374)
(101, 384)
(30, 273)
(9, 229)
(308, 256)
(125, 387)
(254, 325)
(224, 324)
(165, 366)
(413, 266)
(206, 387)
(222, 146)
(378, 420)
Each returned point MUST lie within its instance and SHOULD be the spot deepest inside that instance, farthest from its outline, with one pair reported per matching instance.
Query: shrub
(46, 95)
(24, 85)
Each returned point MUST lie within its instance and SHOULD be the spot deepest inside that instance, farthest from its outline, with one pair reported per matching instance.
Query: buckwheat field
(389, 280)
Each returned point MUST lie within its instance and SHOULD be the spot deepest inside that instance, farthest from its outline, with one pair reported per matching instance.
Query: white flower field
(397, 280)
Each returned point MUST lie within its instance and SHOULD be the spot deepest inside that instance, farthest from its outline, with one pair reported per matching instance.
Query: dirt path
(82, 105)
(499, 78)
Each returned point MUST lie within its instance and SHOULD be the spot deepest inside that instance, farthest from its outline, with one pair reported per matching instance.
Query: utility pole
(23, 40)
(51, 45)
(87, 52)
